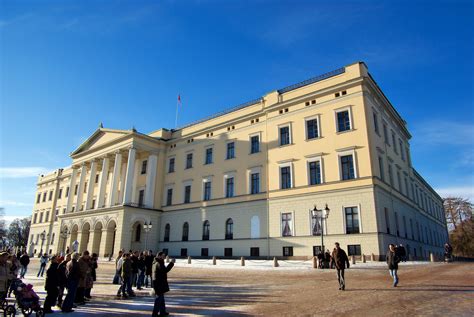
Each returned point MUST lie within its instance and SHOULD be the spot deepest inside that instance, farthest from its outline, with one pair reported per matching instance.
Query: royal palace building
(244, 182)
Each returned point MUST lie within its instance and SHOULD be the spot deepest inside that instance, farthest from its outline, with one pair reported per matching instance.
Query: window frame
(308, 169)
(351, 120)
(290, 138)
(258, 136)
(228, 148)
(206, 155)
(189, 158)
(346, 231)
(292, 224)
(144, 167)
(171, 167)
(354, 162)
(280, 167)
(318, 128)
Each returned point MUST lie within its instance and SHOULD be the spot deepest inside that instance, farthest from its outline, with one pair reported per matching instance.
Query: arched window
(229, 229)
(167, 233)
(205, 230)
(185, 231)
(138, 233)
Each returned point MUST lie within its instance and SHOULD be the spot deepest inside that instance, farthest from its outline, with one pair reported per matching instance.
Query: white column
(151, 180)
(72, 184)
(127, 197)
(135, 181)
(91, 184)
(115, 179)
(122, 182)
(103, 182)
(80, 189)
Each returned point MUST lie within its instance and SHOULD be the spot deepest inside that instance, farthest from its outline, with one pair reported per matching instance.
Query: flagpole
(176, 121)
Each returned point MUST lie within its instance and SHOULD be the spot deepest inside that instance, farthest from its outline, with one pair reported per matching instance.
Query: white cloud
(21, 172)
(4, 203)
(443, 132)
(457, 191)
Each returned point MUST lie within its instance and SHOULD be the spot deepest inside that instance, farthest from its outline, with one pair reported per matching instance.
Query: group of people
(12, 265)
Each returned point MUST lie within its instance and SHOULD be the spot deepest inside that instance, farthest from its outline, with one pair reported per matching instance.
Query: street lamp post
(321, 215)
(147, 227)
(43, 236)
(64, 234)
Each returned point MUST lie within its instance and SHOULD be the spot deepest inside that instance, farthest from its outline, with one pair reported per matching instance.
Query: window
(385, 134)
(347, 167)
(144, 164)
(316, 229)
(60, 193)
(207, 190)
(402, 152)
(208, 159)
(343, 121)
(44, 195)
(286, 224)
(96, 178)
(93, 204)
(138, 233)
(204, 251)
(41, 218)
(287, 251)
(169, 197)
(285, 177)
(229, 229)
(206, 230)
(312, 129)
(167, 233)
(387, 220)
(52, 238)
(230, 150)
(189, 160)
(229, 187)
(314, 172)
(394, 143)
(390, 174)
(141, 197)
(185, 232)
(353, 249)
(38, 199)
(171, 165)
(376, 122)
(228, 252)
(255, 252)
(35, 217)
(381, 169)
(187, 194)
(56, 215)
(75, 189)
(254, 183)
(254, 144)
(46, 219)
(67, 192)
(406, 186)
(285, 135)
(184, 252)
(352, 220)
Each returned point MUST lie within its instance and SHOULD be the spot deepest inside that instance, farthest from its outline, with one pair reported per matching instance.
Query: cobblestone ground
(424, 290)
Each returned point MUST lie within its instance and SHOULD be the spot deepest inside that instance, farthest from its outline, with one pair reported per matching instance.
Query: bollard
(214, 260)
(315, 262)
(275, 262)
(363, 258)
(432, 257)
(189, 260)
(242, 261)
(167, 259)
(353, 259)
(372, 257)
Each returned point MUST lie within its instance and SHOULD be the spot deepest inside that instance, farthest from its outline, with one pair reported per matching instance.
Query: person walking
(392, 261)
(134, 261)
(73, 274)
(43, 262)
(84, 275)
(340, 259)
(141, 271)
(160, 284)
(51, 284)
(148, 265)
(62, 278)
(24, 261)
(127, 276)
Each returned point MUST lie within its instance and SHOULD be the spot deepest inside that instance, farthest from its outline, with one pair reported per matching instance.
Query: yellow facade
(248, 174)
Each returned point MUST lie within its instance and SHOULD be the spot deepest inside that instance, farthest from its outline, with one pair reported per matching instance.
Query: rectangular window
(35, 217)
(171, 165)
(381, 169)
(387, 220)
(399, 181)
(189, 160)
(50, 196)
(255, 252)
(141, 197)
(96, 178)
(343, 121)
(406, 186)
(315, 173)
(286, 224)
(46, 219)
(227, 252)
(41, 218)
(402, 152)
(44, 196)
(254, 183)
(376, 122)
(184, 252)
(285, 177)
(60, 193)
(56, 214)
(352, 220)
(187, 194)
(144, 165)
(207, 190)
(208, 156)
(93, 204)
(347, 167)
(254, 144)
(390, 174)
(67, 192)
(169, 197)
(385, 134)
(312, 129)
(229, 187)
(38, 199)
(394, 143)
(204, 251)
(285, 135)
(353, 249)
(287, 251)
(230, 150)
(75, 189)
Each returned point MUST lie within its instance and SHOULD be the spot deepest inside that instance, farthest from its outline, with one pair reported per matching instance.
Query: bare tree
(18, 232)
(3, 228)
(457, 211)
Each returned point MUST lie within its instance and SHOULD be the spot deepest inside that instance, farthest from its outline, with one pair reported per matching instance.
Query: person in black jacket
(73, 274)
(160, 283)
(340, 259)
(51, 285)
(134, 260)
(62, 278)
(393, 259)
(141, 271)
(24, 261)
(148, 264)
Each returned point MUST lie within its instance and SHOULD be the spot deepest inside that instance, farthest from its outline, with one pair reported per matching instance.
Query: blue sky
(65, 66)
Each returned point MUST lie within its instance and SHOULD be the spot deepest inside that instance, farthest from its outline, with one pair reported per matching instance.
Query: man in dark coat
(24, 261)
(393, 259)
(160, 283)
(51, 285)
(62, 278)
(148, 264)
(340, 259)
(73, 274)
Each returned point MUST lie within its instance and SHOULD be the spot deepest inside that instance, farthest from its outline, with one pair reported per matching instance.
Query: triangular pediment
(100, 137)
